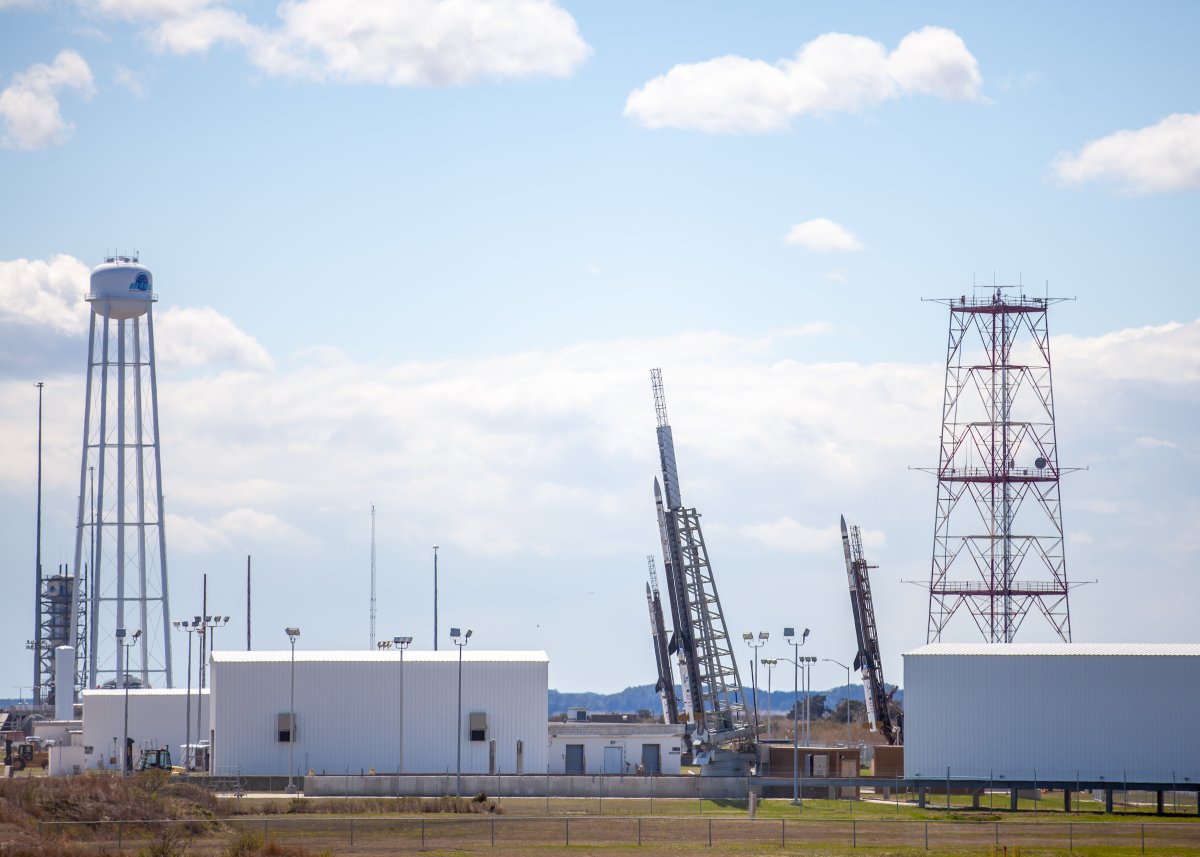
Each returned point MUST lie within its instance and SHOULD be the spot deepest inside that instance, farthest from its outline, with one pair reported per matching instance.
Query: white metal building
(157, 718)
(588, 747)
(1065, 711)
(349, 717)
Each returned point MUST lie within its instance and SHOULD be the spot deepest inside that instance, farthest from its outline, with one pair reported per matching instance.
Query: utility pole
(37, 589)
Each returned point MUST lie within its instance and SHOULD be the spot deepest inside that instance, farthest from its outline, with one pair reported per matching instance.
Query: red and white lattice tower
(998, 533)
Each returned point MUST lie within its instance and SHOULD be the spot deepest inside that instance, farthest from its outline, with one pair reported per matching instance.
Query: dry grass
(480, 804)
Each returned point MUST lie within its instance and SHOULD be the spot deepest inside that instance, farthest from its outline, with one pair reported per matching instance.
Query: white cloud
(1156, 159)
(1164, 354)
(520, 463)
(29, 106)
(793, 537)
(835, 72)
(50, 296)
(823, 236)
(391, 42)
(126, 78)
(197, 336)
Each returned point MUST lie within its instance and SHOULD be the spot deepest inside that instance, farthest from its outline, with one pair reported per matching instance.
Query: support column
(921, 796)
(1066, 800)
(1160, 801)
(1013, 793)
(1108, 801)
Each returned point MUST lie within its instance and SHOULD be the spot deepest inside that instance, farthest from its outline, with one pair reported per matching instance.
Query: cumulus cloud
(835, 72)
(823, 236)
(790, 536)
(1137, 353)
(50, 297)
(390, 42)
(1156, 159)
(29, 105)
(522, 464)
(196, 336)
(46, 294)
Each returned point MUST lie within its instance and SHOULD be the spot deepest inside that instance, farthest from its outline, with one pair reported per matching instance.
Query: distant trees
(816, 707)
(858, 711)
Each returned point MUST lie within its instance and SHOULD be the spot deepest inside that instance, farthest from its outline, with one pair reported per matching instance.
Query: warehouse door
(614, 760)
(652, 758)
(575, 764)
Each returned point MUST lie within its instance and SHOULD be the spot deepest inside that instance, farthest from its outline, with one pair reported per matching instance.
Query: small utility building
(1066, 712)
(354, 712)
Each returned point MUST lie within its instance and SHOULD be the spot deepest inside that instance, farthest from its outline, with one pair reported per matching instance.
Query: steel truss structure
(868, 661)
(999, 513)
(127, 581)
(712, 689)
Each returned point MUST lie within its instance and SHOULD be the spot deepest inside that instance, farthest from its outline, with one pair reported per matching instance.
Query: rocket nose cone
(844, 525)
(657, 489)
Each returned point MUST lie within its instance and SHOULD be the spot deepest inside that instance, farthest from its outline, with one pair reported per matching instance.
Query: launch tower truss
(998, 521)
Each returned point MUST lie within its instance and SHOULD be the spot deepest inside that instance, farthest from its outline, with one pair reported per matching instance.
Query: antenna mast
(998, 507)
(372, 575)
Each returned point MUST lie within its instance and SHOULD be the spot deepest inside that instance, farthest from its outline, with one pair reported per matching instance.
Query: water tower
(119, 535)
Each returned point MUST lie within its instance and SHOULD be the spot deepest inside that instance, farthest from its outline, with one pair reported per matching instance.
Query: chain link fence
(389, 835)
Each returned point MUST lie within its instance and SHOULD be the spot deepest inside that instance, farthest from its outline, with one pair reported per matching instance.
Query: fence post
(639, 832)
(853, 834)
(422, 833)
(567, 825)
(120, 826)
(1070, 838)
(927, 836)
(997, 825)
(493, 833)
(783, 833)
(352, 833)
(1143, 837)
(710, 834)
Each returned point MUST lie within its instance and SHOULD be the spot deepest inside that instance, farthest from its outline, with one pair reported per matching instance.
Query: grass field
(107, 815)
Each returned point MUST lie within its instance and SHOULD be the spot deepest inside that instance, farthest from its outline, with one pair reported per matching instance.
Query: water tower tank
(121, 288)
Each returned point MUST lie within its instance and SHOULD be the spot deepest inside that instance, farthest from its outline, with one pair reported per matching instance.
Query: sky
(422, 255)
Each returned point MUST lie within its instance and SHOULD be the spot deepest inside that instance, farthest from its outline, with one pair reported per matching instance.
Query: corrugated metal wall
(1052, 717)
(156, 718)
(347, 712)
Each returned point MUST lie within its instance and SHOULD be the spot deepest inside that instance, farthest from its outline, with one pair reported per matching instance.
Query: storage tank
(121, 288)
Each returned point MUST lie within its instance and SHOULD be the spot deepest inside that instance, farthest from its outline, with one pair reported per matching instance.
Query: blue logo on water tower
(141, 283)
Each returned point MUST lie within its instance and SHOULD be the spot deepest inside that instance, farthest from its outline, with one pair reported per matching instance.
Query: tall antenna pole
(37, 570)
(247, 602)
(372, 647)
(435, 636)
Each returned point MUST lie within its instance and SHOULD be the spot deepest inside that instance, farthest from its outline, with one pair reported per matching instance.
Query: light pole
(847, 669)
(755, 643)
(460, 640)
(190, 628)
(292, 634)
(435, 634)
(790, 635)
(769, 663)
(402, 643)
(208, 623)
(126, 762)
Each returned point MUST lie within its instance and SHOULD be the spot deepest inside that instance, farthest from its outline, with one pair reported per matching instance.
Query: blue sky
(426, 261)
